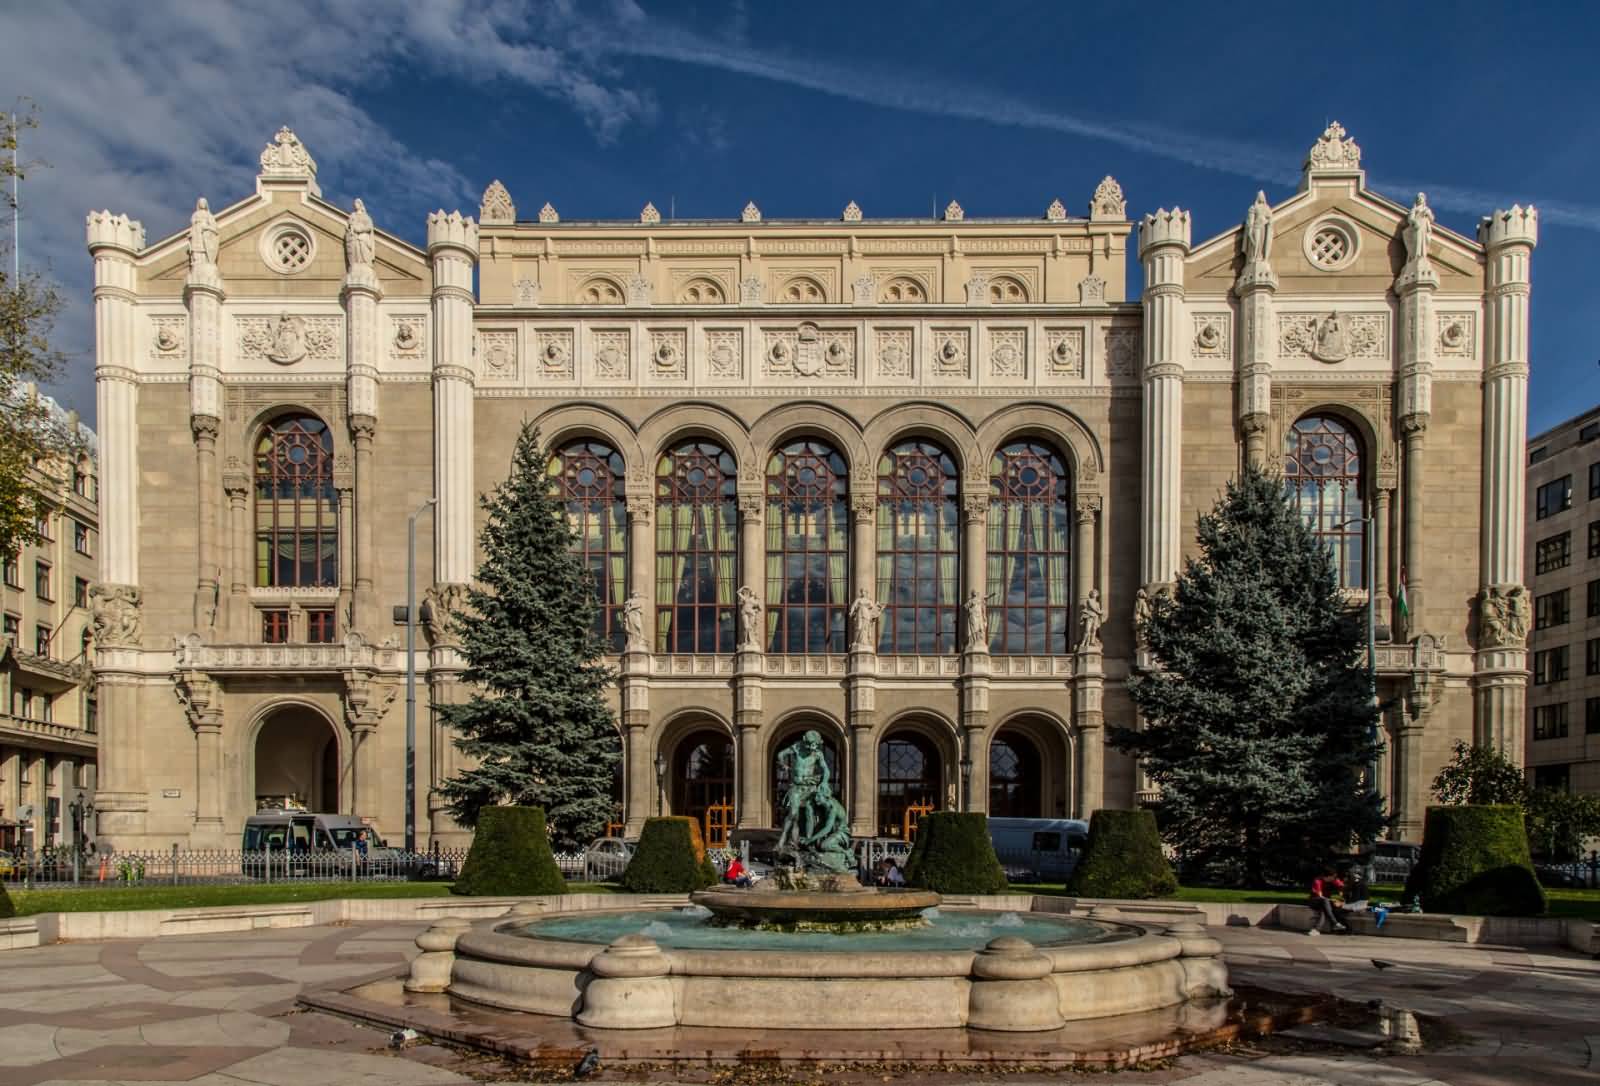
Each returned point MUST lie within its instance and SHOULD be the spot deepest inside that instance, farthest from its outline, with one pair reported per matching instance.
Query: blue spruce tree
(1259, 720)
(538, 725)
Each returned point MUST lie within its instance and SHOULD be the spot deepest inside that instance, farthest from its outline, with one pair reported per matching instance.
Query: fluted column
(453, 249)
(638, 766)
(236, 485)
(202, 296)
(114, 241)
(861, 681)
(1163, 247)
(1088, 691)
(361, 295)
(747, 678)
(1415, 286)
(1500, 682)
(640, 775)
(975, 663)
(363, 429)
(1381, 540)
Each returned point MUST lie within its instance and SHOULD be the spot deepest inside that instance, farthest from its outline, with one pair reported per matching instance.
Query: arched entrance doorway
(778, 766)
(910, 782)
(297, 760)
(703, 783)
(1014, 776)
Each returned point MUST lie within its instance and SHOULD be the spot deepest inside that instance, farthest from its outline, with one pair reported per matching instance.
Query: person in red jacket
(736, 874)
(1324, 888)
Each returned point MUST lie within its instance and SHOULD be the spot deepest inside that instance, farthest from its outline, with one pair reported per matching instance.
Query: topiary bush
(1475, 861)
(510, 856)
(7, 910)
(1123, 858)
(670, 859)
(954, 855)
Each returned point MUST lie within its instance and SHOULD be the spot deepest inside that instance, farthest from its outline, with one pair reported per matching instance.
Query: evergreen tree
(1259, 719)
(537, 724)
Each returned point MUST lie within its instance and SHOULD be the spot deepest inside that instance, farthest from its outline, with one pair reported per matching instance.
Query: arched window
(588, 477)
(297, 510)
(1005, 289)
(903, 289)
(1322, 471)
(697, 548)
(600, 291)
(703, 784)
(1014, 777)
(700, 291)
(803, 288)
(910, 782)
(1030, 529)
(808, 548)
(919, 550)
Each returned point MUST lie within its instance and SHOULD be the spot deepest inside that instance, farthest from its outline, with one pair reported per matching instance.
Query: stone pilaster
(1163, 246)
(114, 241)
(1258, 345)
(203, 296)
(1500, 682)
(361, 294)
(1088, 715)
(366, 702)
(861, 679)
(1415, 287)
(201, 699)
(453, 249)
(975, 664)
(236, 485)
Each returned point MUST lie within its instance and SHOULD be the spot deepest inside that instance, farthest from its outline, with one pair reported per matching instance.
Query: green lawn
(122, 899)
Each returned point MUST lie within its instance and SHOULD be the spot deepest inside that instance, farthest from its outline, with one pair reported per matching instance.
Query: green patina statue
(816, 827)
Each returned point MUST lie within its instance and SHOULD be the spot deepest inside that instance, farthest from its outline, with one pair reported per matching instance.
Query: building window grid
(919, 550)
(1553, 497)
(13, 630)
(45, 528)
(1594, 539)
(1550, 721)
(297, 514)
(807, 548)
(41, 581)
(589, 479)
(80, 539)
(1593, 608)
(80, 592)
(1553, 553)
(1551, 609)
(1029, 553)
(1550, 665)
(697, 549)
(275, 627)
(1591, 716)
(13, 572)
(1591, 656)
(41, 640)
(320, 626)
(1322, 472)
(1594, 480)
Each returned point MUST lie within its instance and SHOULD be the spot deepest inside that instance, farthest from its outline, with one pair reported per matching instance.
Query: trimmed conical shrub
(7, 910)
(510, 856)
(1475, 861)
(670, 859)
(954, 855)
(1123, 858)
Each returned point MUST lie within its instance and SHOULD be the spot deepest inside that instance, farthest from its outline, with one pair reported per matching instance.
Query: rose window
(292, 250)
(1330, 246)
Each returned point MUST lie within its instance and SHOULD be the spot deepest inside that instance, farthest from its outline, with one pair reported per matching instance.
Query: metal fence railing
(68, 867)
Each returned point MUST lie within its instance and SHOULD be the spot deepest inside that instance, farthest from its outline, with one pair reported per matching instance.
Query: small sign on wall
(172, 793)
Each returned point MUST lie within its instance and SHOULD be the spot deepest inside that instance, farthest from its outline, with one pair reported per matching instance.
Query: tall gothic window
(297, 510)
(697, 548)
(1322, 471)
(808, 548)
(1030, 528)
(919, 550)
(588, 478)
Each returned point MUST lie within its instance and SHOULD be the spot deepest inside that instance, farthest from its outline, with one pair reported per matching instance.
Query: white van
(1038, 849)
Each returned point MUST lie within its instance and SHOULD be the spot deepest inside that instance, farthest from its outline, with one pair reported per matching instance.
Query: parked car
(305, 843)
(1038, 849)
(606, 858)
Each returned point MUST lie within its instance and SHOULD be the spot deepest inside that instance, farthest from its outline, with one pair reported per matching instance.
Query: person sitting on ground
(736, 873)
(1324, 888)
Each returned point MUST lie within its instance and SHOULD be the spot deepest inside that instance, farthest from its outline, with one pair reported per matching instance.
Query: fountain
(818, 951)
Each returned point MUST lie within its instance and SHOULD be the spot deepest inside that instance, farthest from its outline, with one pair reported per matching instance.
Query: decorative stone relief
(751, 213)
(1056, 212)
(408, 335)
(1122, 352)
(1504, 615)
(171, 339)
(115, 611)
(1108, 202)
(553, 354)
(953, 212)
(649, 216)
(866, 289)
(287, 157)
(527, 292)
(287, 339)
(750, 291)
(1333, 151)
(1213, 335)
(611, 355)
(852, 212)
(904, 287)
(1008, 352)
(811, 287)
(547, 213)
(951, 350)
(1456, 338)
(725, 353)
(1091, 290)
(1064, 352)
(978, 288)
(669, 355)
(496, 206)
(1335, 337)
(638, 290)
(893, 352)
(498, 353)
(839, 353)
(782, 348)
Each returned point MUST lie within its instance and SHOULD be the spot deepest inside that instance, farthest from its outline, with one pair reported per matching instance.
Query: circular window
(1331, 245)
(288, 249)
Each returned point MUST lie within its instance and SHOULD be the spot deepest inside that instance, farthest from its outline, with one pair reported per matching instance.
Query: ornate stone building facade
(902, 482)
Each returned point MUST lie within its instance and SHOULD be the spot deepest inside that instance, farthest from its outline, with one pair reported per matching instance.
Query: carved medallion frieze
(1064, 352)
(1008, 352)
(669, 355)
(170, 341)
(1333, 337)
(1456, 338)
(552, 354)
(289, 338)
(951, 353)
(893, 353)
(408, 335)
(725, 354)
(1213, 335)
(497, 355)
(612, 355)
(1122, 352)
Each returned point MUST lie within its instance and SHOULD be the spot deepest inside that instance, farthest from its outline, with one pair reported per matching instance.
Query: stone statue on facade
(1519, 613)
(750, 624)
(1258, 231)
(816, 827)
(977, 611)
(360, 239)
(1418, 230)
(633, 623)
(1090, 615)
(1141, 618)
(864, 613)
(114, 609)
(202, 238)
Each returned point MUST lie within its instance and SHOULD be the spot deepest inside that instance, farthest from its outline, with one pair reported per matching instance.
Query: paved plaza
(220, 1010)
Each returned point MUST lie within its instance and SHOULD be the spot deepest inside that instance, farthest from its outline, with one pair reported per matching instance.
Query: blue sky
(600, 106)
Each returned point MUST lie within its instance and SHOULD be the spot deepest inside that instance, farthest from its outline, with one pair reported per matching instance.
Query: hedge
(510, 856)
(670, 859)
(1475, 861)
(954, 855)
(7, 910)
(1123, 858)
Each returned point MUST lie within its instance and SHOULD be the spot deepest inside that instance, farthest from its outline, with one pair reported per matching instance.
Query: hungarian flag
(1400, 596)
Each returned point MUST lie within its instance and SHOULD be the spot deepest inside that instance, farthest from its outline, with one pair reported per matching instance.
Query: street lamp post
(661, 783)
(411, 675)
(966, 781)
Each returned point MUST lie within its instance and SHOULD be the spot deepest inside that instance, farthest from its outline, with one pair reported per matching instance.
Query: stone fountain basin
(816, 910)
(1009, 985)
